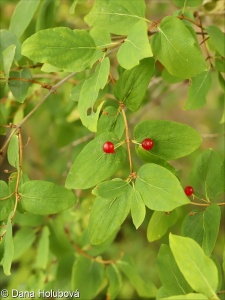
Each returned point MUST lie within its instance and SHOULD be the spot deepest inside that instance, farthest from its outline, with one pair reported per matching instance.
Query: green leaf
(13, 152)
(116, 16)
(144, 289)
(23, 240)
(159, 223)
(6, 205)
(89, 94)
(132, 84)
(75, 92)
(7, 39)
(44, 198)
(43, 250)
(8, 56)
(152, 158)
(224, 262)
(171, 277)
(111, 120)
(102, 40)
(22, 16)
(159, 188)
(61, 47)
(73, 7)
(8, 248)
(87, 276)
(46, 15)
(19, 88)
(136, 44)
(203, 227)
(217, 37)
(221, 81)
(137, 208)
(174, 46)
(107, 215)
(191, 296)
(2, 122)
(199, 270)
(167, 77)
(220, 64)
(191, 3)
(206, 175)
(198, 90)
(93, 165)
(110, 189)
(171, 139)
(115, 281)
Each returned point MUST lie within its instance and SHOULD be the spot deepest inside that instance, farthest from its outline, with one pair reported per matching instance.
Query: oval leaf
(93, 165)
(199, 270)
(159, 223)
(159, 188)
(138, 209)
(171, 139)
(107, 215)
(44, 198)
(203, 227)
(110, 189)
(174, 46)
(61, 47)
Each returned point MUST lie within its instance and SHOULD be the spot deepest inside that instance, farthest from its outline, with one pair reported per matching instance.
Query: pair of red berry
(108, 147)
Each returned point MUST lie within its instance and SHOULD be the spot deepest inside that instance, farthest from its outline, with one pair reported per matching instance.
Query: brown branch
(182, 17)
(43, 85)
(27, 67)
(206, 204)
(85, 254)
(127, 136)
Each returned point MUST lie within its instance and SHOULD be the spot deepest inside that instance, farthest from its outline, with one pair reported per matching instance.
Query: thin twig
(52, 90)
(206, 204)
(127, 136)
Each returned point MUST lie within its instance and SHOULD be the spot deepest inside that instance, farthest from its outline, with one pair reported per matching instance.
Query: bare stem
(127, 137)
(206, 204)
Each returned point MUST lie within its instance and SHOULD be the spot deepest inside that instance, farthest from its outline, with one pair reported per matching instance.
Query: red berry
(147, 144)
(189, 190)
(108, 147)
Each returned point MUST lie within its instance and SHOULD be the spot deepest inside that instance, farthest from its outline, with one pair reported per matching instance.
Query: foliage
(118, 225)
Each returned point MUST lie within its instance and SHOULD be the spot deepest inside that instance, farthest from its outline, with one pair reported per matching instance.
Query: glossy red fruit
(147, 144)
(189, 190)
(108, 147)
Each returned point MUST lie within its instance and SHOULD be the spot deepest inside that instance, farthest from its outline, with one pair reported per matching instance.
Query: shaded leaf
(107, 215)
(159, 223)
(203, 227)
(87, 276)
(43, 250)
(144, 289)
(22, 15)
(171, 277)
(217, 37)
(110, 189)
(6, 205)
(132, 84)
(115, 281)
(137, 208)
(191, 296)
(7, 39)
(19, 88)
(8, 56)
(23, 240)
(206, 175)
(111, 120)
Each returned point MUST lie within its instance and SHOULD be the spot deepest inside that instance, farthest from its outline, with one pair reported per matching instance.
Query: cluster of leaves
(186, 268)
